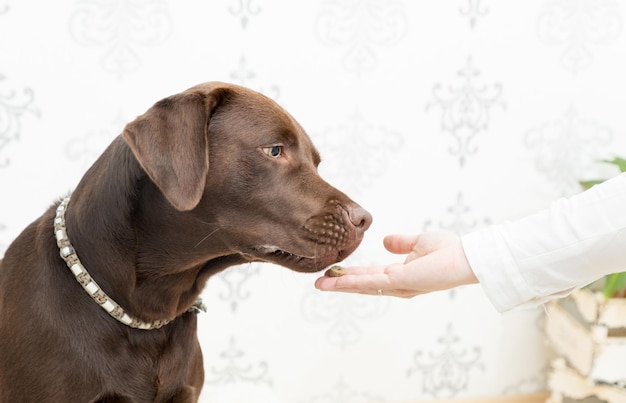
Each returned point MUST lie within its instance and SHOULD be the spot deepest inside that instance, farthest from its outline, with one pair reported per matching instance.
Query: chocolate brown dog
(97, 295)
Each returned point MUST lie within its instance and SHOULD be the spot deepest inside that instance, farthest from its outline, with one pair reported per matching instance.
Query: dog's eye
(273, 151)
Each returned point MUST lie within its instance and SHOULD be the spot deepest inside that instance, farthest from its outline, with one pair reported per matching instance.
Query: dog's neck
(91, 287)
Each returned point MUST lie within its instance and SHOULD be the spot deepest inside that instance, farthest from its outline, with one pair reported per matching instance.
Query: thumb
(400, 244)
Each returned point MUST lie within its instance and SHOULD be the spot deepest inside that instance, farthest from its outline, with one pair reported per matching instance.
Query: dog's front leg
(195, 380)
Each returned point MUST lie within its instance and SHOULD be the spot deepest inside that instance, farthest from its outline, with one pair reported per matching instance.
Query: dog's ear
(171, 143)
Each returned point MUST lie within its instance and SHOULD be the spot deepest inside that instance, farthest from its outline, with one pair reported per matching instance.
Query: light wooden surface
(533, 398)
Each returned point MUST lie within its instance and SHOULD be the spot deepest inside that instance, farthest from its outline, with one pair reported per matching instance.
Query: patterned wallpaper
(432, 115)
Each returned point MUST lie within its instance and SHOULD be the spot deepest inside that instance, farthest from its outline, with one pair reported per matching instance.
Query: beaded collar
(68, 254)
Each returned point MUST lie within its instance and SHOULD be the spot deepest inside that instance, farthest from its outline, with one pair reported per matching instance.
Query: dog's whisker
(206, 222)
(206, 237)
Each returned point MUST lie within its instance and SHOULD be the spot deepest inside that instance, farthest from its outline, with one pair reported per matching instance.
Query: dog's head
(241, 173)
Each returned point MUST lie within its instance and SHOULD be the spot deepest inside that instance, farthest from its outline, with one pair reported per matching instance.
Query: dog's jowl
(98, 296)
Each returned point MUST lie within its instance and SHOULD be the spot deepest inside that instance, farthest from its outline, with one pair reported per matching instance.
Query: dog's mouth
(324, 239)
(300, 263)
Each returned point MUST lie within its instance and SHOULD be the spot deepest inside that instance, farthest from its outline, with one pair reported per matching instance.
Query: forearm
(548, 254)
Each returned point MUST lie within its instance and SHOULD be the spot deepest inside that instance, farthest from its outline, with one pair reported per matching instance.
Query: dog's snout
(359, 217)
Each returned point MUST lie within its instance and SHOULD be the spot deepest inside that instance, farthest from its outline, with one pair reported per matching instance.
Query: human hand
(435, 261)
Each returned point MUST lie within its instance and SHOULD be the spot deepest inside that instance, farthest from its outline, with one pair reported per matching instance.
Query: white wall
(432, 114)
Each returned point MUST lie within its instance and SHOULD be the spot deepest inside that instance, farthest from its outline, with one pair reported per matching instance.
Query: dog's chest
(164, 361)
(146, 366)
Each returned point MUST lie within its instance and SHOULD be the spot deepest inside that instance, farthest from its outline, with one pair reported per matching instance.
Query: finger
(399, 244)
(412, 256)
(330, 284)
(386, 293)
(326, 283)
(355, 282)
(329, 281)
(360, 270)
(400, 293)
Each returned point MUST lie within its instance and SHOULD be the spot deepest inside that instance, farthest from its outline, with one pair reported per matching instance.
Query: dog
(98, 296)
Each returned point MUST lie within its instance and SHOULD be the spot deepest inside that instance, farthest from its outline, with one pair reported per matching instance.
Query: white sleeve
(550, 253)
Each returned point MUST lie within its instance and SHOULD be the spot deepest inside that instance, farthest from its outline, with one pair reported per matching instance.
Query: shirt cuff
(496, 270)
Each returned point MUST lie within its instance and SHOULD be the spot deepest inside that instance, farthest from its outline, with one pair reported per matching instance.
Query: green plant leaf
(588, 184)
(619, 162)
(613, 283)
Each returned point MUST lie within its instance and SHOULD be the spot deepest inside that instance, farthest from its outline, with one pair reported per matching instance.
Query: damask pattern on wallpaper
(445, 370)
(342, 315)
(372, 146)
(118, 28)
(234, 366)
(465, 109)
(457, 218)
(361, 29)
(565, 148)
(83, 150)
(234, 286)
(15, 105)
(473, 10)
(577, 27)
(340, 391)
(245, 10)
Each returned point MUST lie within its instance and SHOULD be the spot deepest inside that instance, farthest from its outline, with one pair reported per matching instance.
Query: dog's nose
(359, 217)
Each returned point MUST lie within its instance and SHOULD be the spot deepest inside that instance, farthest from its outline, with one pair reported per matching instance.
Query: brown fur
(183, 193)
